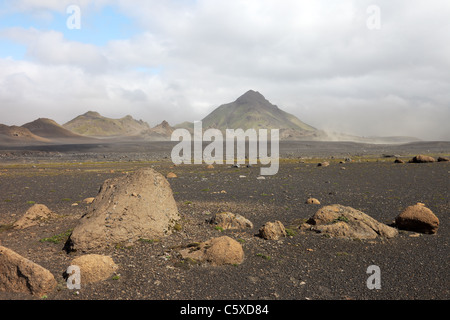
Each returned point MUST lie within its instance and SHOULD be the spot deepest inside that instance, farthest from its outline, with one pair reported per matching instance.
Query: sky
(368, 68)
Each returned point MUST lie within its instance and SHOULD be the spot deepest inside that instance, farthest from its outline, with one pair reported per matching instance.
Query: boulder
(127, 208)
(216, 251)
(18, 274)
(37, 214)
(422, 159)
(346, 222)
(272, 231)
(94, 267)
(418, 218)
(228, 220)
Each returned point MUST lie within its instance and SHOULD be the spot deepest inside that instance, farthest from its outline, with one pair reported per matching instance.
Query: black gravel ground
(303, 266)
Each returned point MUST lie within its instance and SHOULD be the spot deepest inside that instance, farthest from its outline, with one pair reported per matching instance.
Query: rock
(261, 178)
(443, 159)
(94, 267)
(422, 159)
(418, 218)
(171, 175)
(399, 161)
(117, 217)
(216, 251)
(37, 214)
(224, 250)
(323, 164)
(312, 201)
(228, 220)
(88, 200)
(346, 222)
(210, 166)
(18, 274)
(272, 231)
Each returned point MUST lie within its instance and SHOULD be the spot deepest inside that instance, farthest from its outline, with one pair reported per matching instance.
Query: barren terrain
(302, 266)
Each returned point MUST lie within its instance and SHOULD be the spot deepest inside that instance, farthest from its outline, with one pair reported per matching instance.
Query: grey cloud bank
(314, 59)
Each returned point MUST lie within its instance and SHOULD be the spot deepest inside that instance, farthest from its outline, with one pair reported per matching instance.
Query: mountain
(95, 125)
(253, 111)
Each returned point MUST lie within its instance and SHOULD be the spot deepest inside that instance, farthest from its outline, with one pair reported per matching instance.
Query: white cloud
(316, 59)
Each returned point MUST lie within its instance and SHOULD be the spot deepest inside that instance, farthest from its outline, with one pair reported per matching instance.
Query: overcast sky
(377, 67)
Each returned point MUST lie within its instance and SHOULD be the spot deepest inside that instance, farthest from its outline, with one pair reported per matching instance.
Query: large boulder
(36, 215)
(18, 274)
(229, 220)
(346, 222)
(137, 205)
(418, 218)
(216, 251)
(94, 267)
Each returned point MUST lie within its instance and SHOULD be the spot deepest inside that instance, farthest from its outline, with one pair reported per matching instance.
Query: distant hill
(48, 128)
(16, 134)
(95, 125)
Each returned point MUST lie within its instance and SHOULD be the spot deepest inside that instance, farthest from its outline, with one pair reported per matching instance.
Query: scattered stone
(116, 218)
(323, 164)
(228, 220)
(94, 268)
(216, 251)
(272, 231)
(74, 204)
(418, 218)
(443, 159)
(18, 274)
(261, 178)
(422, 159)
(88, 200)
(37, 214)
(312, 201)
(171, 175)
(346, 222)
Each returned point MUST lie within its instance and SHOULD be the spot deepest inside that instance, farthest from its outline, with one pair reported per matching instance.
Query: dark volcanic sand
(304, 266)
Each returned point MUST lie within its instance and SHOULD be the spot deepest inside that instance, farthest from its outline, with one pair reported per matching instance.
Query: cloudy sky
(378, 67)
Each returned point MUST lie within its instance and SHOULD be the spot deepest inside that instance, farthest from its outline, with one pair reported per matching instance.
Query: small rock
(418, 218)
(216, 251)
(443, 159)
(272, 231)
(88, 200)
(228, 220)
(37, 214)
(422, 159)
(323, 164)
(312, 201)
(94, 267)
(171, 175)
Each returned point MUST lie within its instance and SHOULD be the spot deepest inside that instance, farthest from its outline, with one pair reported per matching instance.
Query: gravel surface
(303, 266)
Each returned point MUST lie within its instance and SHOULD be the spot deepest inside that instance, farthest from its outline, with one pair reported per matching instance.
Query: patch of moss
(58, 238)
